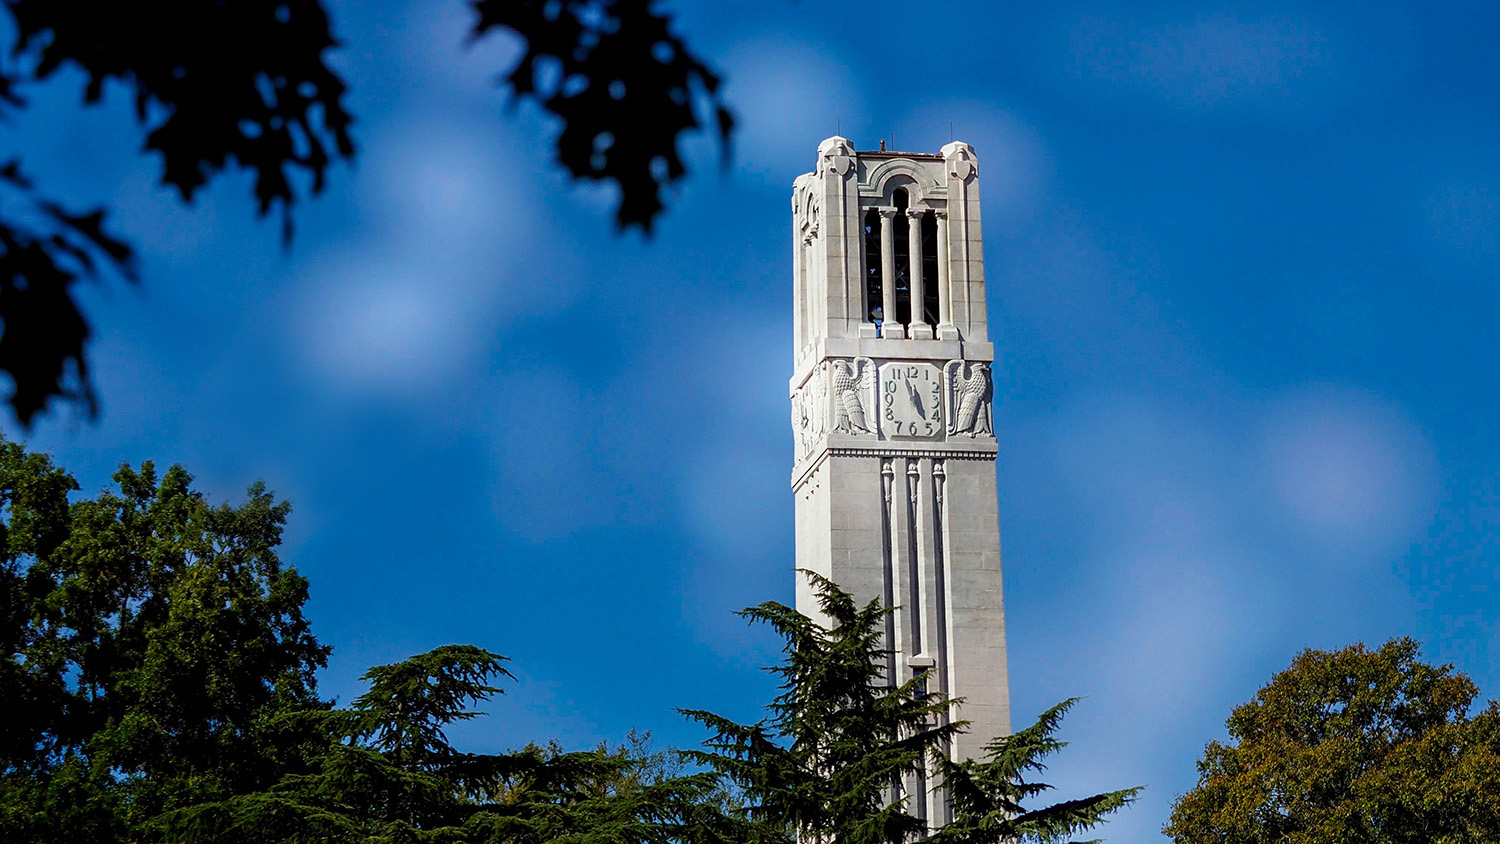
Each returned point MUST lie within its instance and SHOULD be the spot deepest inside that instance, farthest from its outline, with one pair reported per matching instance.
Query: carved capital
(887, 213)
(915, 213)
(940, 213)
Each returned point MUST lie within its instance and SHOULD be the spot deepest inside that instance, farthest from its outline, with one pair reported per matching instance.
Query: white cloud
(441, 186)
(412, 298)
(1351, 473)
(383, 328)
(789, 95)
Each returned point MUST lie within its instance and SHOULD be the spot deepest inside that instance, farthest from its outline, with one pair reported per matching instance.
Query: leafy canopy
(1351, 745)
(159, 682)
(158, 686)
(152, 642)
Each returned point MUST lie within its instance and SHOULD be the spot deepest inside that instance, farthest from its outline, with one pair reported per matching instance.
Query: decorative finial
(882, 144)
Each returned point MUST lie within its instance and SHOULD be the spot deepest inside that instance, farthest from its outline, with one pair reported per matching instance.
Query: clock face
(911, 400)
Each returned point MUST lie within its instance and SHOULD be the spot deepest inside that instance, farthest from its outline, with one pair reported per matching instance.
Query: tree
(987, 793)
(388, 774)
(826, 764)
(151, 643)
(158, 686)
(245, 84)
(158, 682)
(1351, 745)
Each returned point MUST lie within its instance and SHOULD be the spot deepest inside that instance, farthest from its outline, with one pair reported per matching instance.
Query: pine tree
(827, 763)
(986, 793)
(388, 774)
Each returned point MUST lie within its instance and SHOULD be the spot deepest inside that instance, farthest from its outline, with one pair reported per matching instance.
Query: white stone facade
(895, 450)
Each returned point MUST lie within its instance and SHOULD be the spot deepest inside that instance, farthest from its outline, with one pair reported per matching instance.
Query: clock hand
(915, 398)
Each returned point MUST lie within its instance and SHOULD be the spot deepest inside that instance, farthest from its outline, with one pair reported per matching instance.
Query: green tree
(825, 764)
(158, 685)
(152, 642)
(1351, 745)
(388, 774)
(987, 793)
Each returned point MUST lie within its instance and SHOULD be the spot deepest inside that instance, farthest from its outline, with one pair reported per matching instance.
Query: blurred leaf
(623, 85)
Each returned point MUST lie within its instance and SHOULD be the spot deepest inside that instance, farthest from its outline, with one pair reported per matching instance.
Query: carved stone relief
(970, 396)
(810, 413)
(853, 385)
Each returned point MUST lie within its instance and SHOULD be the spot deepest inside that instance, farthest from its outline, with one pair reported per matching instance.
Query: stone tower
(895, 450)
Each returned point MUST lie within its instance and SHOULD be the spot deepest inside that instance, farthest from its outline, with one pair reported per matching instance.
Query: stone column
(888, 326)
(946, 330)
(919, 329)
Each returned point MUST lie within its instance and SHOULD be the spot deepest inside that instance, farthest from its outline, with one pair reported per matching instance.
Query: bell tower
(891, 411)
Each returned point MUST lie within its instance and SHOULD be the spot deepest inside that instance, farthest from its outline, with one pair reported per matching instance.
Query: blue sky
(1242, 263)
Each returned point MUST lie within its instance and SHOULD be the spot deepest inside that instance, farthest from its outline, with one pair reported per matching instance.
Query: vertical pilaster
(908, 610)
(966, 257)
(835, 169)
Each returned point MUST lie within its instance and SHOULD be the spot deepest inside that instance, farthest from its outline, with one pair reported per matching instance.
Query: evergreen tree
(828, 763)
(986, 793)
(388, 774)
(158, 686)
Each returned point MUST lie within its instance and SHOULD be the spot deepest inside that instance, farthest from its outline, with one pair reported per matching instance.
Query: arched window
(930, 307)
(902, 244)
(874, 288)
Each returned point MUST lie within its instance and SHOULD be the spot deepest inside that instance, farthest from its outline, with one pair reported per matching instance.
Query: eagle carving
(851, 382)
(971, 398)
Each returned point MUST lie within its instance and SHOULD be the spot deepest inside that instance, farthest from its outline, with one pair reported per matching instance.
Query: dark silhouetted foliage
(41, 256)
(625, 87)
(1351, 745)
(245, 84)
